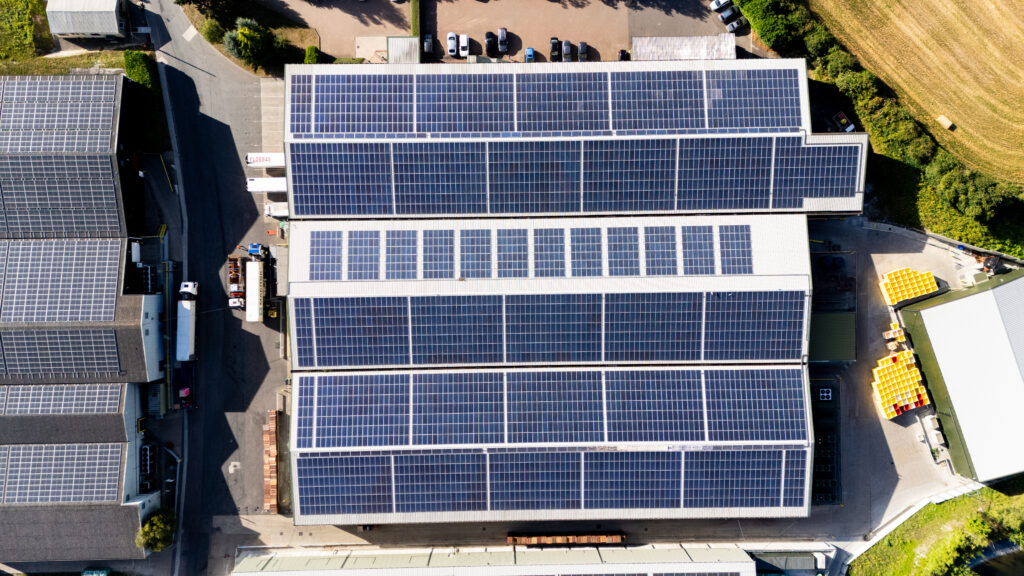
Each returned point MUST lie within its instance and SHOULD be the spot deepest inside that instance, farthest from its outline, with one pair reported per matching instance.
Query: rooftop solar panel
(653, 327)
(345, 484)
(631, 480)
(304, 420)
(654, 406)
(475, 254)
(813, 172)
(400, 255)
(60, 399)
(586, 252)
(458, 408)
(457, 330)
(732, 479)
(439, 254)
(554, 407)
(753, 98)
(362, 410)
(657, 100)
(440, 482)
(553, 328)
(436, 177)
(724, 173)
(363, 255)
(534, 177)
(536, 481)
(754, 326)
(461, 103)
(326, 255)
(549, 252)
(795, 478)
(566, 101)
(340, 178)
(59, 352)
(62, 473)
(378, 103)
(737, 256)
(629, 175)
(750, 405)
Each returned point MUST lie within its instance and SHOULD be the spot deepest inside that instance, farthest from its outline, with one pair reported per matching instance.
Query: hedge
(139, 67)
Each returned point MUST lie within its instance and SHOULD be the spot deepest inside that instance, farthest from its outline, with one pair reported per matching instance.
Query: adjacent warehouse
(73, 344)
(975, 371)
(454, 364)
(85, 18)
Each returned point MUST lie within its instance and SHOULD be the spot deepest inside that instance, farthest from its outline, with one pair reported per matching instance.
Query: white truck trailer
(254, 291)
(186, 337)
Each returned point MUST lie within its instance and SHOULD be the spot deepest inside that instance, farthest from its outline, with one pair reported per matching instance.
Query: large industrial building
(554, 292)
(73, 344)
(975, 371)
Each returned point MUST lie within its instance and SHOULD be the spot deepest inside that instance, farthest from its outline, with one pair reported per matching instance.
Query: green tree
(858, 86)
(158, 532)
(312, 55)
(213, 31)
(230, 43)
(819, 41)
(838, 61)
(254, 45)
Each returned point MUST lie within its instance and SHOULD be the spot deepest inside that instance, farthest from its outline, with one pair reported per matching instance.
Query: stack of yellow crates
(905, 284)
(897, 386)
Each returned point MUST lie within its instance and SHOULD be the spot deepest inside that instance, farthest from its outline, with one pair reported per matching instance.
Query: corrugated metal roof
(403, 50)
(68, 17)
(721, 47)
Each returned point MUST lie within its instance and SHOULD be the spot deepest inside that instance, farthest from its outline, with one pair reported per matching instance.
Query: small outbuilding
(85, 18)
(720, 47)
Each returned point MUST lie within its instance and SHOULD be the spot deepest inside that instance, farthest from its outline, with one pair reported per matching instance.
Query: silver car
(717, 5)
(453, 44)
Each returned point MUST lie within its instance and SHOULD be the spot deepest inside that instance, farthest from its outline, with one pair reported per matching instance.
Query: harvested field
(956, 58)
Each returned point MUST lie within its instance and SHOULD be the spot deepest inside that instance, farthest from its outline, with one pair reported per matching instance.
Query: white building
(85, 18)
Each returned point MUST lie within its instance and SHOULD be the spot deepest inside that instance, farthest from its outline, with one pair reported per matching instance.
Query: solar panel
(724, 173)
(813, 172)
(535, 481)
(360, 331)
(631, 480)
(652, 327)
(62, 473)
(754, 326)
(305, 339)
(660, 250)
(301, 103)
(535, 177)
(629, 175)
(460, 103)
(737, 256)
(344, 483)
(755, 405)
(400, 255)
(340, 178)
(363, 255)
(732, 479)
(554, 407)
(326, 256)
(795, 478)
(457, 330)
(57, 114)
(698, 248)
(654, 406)
(553, 328)
(363, 410)
(586, 252)
(438, 254)
(440, 482)
(623, 252)
(458, 408)
(304, 421)
(475, 253)
(440, 178)
(549, 252)
(753, 98)
(60, 399)
(564, 101)
(657, 100)
(370, 103)
(56, 352)
(513, 254)
(59, 208)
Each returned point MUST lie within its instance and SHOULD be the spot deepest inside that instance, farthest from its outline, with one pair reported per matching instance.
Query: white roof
(82, 16)
(978, 342)
(403, 49)
(721, 47)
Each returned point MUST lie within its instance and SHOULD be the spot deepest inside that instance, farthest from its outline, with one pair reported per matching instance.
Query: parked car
(556, 49)
(623, 55)
(464, 45)
(490, 44)
(502, 41)
(717, 5)
(453, 44)
(428, 43)
(728, 14)
(567, 51)
(736, 24)
(530, 57)
(582, 54)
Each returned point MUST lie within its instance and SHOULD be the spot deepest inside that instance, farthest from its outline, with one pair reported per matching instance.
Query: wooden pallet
(270, 463)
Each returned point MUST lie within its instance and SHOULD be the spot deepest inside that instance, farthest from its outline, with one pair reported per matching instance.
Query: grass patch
(60, 66)
(349, 60)
(943, 536)
(414, 11)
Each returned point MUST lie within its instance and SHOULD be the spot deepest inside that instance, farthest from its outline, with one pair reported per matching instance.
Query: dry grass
(958, 58)
(57, 66)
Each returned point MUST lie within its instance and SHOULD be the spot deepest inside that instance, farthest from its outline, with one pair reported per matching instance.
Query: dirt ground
(340, 22)
(958, 58)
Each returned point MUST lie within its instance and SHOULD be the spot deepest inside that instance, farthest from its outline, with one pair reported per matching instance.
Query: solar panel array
(57, 113)
(519, 101)
(60, 473)
(45, 399)
(593, 251)
(692, 174)
(635, 393)
(59, 352)
(549, 329)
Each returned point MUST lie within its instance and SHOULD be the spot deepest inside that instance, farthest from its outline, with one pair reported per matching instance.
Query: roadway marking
(190, 33)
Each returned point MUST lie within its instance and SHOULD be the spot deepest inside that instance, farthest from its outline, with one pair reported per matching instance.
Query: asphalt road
(215, 108)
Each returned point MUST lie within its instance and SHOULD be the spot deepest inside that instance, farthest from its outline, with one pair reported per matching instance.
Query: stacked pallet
(897, 386)
(906, 284)
(270, 463)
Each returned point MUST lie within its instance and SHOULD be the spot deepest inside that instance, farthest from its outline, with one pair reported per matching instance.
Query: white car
(464, 45)
(717, 5)
(736, 24)
(453, 47)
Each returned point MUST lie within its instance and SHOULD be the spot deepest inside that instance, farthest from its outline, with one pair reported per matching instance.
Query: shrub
(921, 149)
(230, 43)
(312, 55)
(213, 31)
(858, 86)
(414, 9)
(158, 532)
(255, 45)
(838, 61)
(139, 67)
(243, 22)
(819, 40)
(774, 21)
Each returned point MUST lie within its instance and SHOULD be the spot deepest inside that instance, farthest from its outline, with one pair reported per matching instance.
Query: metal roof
(72, 17)
(720, 47)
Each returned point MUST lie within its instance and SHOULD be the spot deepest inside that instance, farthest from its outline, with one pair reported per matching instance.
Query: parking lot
(607, 26)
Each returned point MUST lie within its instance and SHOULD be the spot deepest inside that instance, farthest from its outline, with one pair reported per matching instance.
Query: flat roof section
(982, 368)
(720, 47)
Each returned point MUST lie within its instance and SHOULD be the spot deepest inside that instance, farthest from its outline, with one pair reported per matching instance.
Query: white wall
(153, 335)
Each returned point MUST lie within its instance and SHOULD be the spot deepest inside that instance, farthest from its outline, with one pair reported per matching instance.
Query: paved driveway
(340, 22)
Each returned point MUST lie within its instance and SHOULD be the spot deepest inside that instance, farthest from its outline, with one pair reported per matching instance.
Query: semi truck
(236, 283)
(186, 337)
(254, 290)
